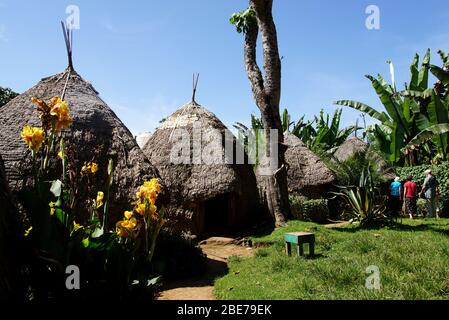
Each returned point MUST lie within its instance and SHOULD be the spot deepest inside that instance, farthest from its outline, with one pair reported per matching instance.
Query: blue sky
(140, 55)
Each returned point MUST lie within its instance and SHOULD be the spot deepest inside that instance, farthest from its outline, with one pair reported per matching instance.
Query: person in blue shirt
(396, 196)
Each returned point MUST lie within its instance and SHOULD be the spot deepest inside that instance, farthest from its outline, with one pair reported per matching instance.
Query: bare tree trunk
(267, 94)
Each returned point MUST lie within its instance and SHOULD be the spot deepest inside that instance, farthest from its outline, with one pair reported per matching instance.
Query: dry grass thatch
(96, 134)
(307, 174)
(351, 147)
(193, 185)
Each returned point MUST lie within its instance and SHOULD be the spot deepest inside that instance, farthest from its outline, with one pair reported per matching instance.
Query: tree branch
(272, 62)
(252, 69)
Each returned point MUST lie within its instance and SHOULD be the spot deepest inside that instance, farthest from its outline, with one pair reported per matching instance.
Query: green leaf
(381, 116)
(423, 77)
(427, 135)
(440, 74)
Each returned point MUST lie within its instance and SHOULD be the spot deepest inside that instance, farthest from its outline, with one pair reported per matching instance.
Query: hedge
(316, 210)
(441, 172)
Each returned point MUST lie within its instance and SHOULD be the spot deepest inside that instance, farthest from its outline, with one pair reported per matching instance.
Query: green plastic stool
(300, 238)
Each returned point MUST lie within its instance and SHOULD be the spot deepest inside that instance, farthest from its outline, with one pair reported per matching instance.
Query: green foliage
(349, 172)
(339, 273)
(316, 210)
(416, 115)
(323, 135)
(441, 172)
(6, 95)
(243, 20)
(364, 201)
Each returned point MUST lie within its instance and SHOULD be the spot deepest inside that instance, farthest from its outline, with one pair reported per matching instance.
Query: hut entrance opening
(217, 215)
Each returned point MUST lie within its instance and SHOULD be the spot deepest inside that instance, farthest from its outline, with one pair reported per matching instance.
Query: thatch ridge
(307, 174)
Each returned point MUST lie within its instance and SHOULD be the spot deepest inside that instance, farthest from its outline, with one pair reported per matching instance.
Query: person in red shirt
(410, 193)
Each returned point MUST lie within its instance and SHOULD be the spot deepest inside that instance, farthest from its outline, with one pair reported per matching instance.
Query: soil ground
(217, 250)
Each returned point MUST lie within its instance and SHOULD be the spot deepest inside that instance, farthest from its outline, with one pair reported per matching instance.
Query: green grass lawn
(413, 258)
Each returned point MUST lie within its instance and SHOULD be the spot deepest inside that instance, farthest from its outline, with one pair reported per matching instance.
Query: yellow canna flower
(128, 215)
(52, 208)
(140, 209)
(28, 232)
(93, 167)
(126, 228)
(89, 168)
(100, 197)
(61, 113)
(76, 226)
(33, 137)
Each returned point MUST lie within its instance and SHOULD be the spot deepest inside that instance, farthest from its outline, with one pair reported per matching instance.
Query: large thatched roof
(349, 148)
(191, 184)
(8, 233)
(307, 174)
(96, 134)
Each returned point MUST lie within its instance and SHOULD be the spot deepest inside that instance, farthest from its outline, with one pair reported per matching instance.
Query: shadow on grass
(400, 226)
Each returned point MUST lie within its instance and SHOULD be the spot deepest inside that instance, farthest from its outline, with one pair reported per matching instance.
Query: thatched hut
(307, 174)
(8, 237)
(207, 197)
(350, 148)
(96, 134)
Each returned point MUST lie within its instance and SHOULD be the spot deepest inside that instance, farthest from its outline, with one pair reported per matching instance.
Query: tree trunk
(267, 94)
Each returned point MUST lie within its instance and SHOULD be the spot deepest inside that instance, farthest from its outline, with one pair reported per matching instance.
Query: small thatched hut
(354, 146)
(207, 197)
(96, 134)
(8, 237)
(349, 148)
(307, 174)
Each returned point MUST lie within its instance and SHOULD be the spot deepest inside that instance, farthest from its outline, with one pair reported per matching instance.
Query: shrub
(309, 210)
(441, 172)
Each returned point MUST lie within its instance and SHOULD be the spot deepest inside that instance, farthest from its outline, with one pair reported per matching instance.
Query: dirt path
(217, 250)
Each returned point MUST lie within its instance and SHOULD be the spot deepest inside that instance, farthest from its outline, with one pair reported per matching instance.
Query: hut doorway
(217, 215)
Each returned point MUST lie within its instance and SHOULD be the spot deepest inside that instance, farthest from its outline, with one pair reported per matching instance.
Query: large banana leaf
(441, 74)
(426, 135)
(391, 104)
(381, 116)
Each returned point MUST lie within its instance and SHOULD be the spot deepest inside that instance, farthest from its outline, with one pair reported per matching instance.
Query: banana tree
(398, 123)
(433, 118)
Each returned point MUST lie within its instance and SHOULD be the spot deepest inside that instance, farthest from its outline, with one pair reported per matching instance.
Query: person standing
(430, 189)
(396, 196)
(410, 193)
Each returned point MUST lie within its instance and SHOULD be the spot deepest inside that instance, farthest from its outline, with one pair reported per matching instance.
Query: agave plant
(365, 203)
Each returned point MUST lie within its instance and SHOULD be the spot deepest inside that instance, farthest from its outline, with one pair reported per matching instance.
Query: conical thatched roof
(307, 174)
(96, 134)
(349, 148)
(192, 185)
(8, 233)
(354, 145)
